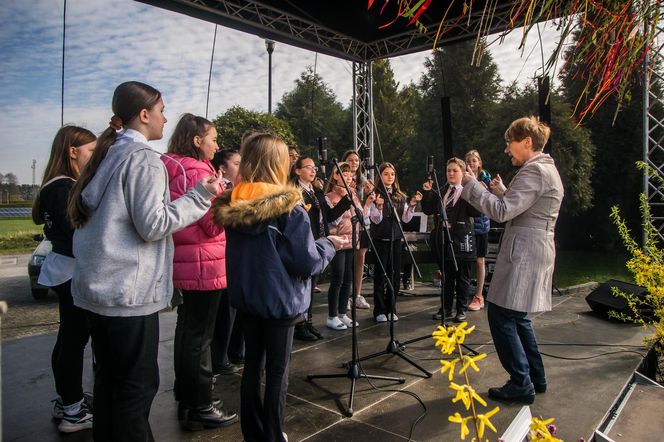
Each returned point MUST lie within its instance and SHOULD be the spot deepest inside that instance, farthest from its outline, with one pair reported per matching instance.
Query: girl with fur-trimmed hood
(271, 255)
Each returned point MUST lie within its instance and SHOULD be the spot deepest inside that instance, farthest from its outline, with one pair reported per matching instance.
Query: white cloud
(111, 41)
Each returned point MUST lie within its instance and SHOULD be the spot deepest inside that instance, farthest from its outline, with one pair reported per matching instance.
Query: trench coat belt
(540, 224)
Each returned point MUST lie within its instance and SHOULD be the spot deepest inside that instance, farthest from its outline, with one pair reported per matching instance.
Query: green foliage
(395, 113)
(570, 146)
(647, 266)
(312, 110)
(16, 235)
(237, 121)
(473, 93)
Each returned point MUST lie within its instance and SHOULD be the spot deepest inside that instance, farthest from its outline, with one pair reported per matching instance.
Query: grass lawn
(572, 268)
(16, 235)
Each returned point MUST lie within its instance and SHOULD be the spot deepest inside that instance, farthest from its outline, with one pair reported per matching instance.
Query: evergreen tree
(233, 124)
(312, 110)
(473, 92)
(617, 131)
(395, 114)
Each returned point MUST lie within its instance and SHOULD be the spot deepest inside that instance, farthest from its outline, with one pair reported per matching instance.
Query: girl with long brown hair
(71, 150)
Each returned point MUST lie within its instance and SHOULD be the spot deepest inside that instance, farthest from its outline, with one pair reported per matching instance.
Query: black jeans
(341, 283)
(268, 344)
(223, 328)
(67, 356)
(456, 284)
(193, 335)
(389, 252)
(126, 375)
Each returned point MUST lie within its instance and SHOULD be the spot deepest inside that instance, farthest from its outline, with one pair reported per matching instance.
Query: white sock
(73, 409)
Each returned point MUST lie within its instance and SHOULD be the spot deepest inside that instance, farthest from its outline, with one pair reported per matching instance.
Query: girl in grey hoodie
(124, 219)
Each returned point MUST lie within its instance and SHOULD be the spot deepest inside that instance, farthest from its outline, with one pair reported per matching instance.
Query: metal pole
(269, 45)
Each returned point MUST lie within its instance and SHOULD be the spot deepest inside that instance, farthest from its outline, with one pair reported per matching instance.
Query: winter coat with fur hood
(271, 252)
(199, 262)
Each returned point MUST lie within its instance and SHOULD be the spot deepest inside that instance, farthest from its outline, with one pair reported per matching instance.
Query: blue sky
(112, 41)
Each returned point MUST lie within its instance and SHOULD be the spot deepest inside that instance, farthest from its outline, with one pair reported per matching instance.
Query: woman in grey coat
(524, 267)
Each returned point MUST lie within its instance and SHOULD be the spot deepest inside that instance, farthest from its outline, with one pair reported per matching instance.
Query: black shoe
(460, 317)
(182, 408)
(314, 331)
(437, 316)
(226, 369)
(303, 333)
(237, 360)
(510, 393)
(540, 388)
(213, 417)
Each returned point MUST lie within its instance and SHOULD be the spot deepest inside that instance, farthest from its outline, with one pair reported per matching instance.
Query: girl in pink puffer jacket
(199, 271)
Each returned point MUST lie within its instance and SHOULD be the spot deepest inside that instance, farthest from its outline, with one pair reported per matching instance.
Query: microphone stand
(353, 369)
(443, 250)
(393, 346)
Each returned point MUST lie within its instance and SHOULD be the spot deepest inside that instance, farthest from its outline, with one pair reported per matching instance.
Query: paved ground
(25, 317)
(588, 360)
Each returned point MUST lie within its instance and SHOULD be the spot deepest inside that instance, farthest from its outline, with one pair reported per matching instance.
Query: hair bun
(116, 122)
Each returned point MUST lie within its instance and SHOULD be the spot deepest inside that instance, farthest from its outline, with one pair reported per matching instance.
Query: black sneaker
(72, 423)
(211, 417)
(303, 333)
(58, 407)
(227, 369)
(314, 331)
(460, 317)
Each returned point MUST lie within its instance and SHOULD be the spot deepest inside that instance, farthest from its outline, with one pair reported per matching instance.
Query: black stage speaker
(602, 299)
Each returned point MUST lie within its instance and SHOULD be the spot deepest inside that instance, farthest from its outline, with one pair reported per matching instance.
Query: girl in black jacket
(460, 222)
(386, 237)
(71, 150)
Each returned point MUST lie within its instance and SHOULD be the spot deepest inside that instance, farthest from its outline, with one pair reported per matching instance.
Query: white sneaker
(360, 302)
(349, 322)
(381, 318)
(394, 317)
(335, 324)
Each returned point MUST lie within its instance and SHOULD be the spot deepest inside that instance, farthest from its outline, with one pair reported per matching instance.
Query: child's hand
(212, 183)
(379, 202)
(417, 197)
(337, 241)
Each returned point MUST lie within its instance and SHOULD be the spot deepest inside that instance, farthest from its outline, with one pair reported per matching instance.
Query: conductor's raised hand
(213, 183)
(468, 176)
(427, 186)
(497, 186)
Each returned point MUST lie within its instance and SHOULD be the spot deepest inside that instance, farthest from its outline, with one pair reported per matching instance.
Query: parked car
(34, 267)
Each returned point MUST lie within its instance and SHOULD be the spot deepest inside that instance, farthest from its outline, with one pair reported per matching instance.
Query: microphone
(322, 153)
(430, 164)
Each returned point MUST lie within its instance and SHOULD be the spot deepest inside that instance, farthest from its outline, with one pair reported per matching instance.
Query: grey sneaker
(76, 422)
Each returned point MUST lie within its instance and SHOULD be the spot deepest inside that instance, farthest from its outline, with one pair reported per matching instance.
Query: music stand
(353, 371)
(446, 229)
(394, 347)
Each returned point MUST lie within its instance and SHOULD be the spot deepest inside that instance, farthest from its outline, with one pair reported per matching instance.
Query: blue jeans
(516, 345)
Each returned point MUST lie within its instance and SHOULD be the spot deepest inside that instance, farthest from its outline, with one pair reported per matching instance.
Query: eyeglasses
(309, 166)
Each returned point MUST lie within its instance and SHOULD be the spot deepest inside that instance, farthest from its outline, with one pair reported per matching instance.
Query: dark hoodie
(270, 251)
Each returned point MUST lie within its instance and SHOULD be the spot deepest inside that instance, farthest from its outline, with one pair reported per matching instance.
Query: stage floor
(588, 360)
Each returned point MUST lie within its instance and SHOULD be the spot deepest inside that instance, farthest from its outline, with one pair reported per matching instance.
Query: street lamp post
(269, 45)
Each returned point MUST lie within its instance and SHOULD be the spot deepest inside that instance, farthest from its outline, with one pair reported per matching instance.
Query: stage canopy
(348, 29)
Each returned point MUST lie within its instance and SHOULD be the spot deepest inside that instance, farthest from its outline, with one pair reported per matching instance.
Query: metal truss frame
(653, 130)
(260, 19)
(363, 111)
